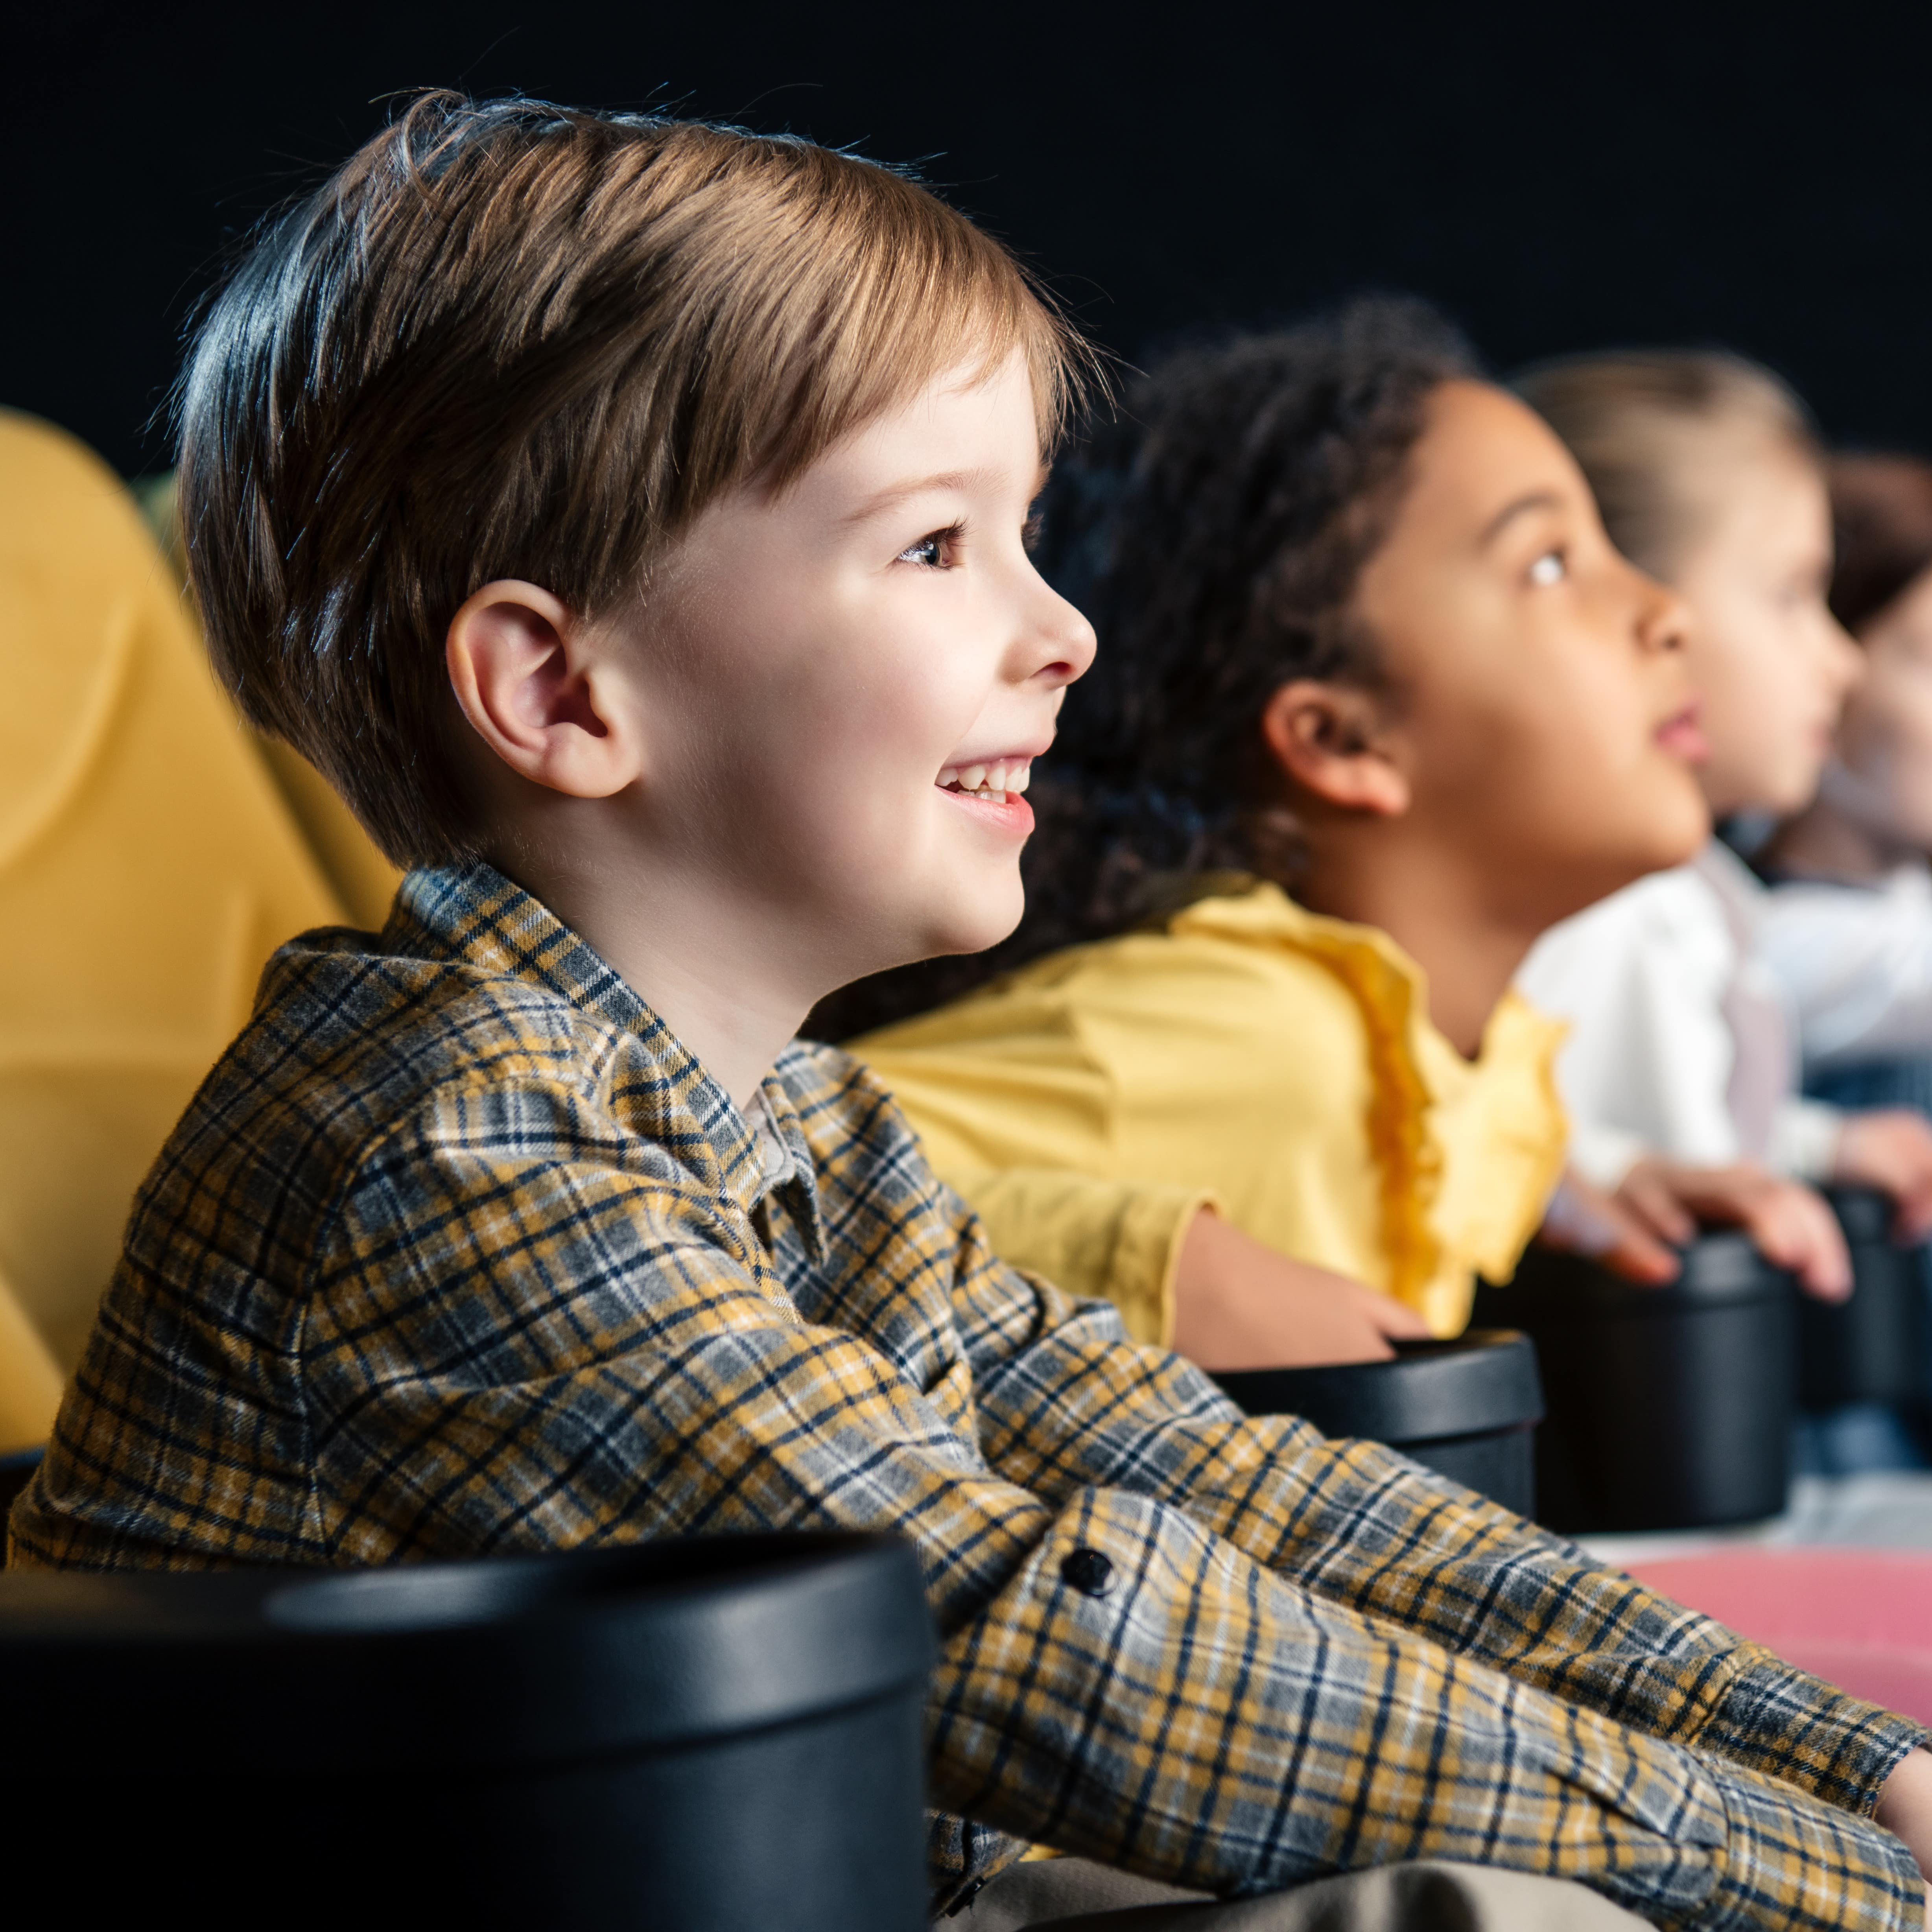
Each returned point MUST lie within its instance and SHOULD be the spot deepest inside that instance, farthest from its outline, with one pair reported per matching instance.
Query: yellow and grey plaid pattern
(457, 1251)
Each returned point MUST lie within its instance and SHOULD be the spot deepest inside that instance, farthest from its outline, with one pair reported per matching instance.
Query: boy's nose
(1064, 641)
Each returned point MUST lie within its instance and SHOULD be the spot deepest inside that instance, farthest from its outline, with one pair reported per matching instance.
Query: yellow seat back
(149, 864)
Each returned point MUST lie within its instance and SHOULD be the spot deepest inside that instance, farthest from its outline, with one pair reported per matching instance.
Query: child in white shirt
(1847, 932)
(1681, 1075)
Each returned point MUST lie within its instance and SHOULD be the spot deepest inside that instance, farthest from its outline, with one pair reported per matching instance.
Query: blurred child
(1364, 643)
(1848, 929)
(1680, 1071)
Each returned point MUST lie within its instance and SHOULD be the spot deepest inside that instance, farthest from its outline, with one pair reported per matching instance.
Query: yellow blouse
(149, 865)
(1282, 1063)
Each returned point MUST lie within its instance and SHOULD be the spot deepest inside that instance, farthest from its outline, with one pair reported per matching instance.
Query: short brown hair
(1625, 417)
(1882, 518)
(510, 339)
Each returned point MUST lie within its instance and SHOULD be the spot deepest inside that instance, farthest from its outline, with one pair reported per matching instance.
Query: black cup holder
(1669, 1408)
(1874, 1348)
(1468, 1408)
(723, 1734)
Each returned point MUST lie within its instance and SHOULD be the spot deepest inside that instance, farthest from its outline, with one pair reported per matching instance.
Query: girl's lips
(1011, 814)
(1683, 736)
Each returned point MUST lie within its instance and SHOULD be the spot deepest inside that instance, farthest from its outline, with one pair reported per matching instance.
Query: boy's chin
(971, 926)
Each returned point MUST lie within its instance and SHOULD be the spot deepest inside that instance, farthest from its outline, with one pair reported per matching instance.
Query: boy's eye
(929, 553)
(1551, 567)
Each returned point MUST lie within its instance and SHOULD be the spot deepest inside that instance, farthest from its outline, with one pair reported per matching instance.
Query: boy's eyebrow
(917, 486)
(1531, 499)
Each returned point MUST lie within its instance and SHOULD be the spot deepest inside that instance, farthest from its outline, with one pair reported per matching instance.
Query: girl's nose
(1665, 625)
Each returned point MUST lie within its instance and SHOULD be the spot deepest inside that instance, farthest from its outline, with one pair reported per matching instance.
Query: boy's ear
(1330, 741)
(536, 692)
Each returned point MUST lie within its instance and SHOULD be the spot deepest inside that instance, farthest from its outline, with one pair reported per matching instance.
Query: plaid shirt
(457, 1251)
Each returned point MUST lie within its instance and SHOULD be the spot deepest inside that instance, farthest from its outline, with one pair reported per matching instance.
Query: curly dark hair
(1215, 531)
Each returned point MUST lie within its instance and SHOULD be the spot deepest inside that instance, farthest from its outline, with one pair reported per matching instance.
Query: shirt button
(1087, 1571)
(964, 1902)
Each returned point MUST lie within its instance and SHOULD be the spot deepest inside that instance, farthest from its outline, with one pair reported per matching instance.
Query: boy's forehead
(969, 428)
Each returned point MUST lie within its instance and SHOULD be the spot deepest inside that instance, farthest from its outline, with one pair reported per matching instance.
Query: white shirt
(1855, 961)
(1681, 1042)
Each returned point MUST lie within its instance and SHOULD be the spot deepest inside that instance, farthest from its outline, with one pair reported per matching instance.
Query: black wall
(1558, 179)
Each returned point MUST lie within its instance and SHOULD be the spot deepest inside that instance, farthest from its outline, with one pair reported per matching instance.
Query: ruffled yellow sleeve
(1118, 1240)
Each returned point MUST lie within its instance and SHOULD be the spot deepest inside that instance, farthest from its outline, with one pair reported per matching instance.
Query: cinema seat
(150, 861)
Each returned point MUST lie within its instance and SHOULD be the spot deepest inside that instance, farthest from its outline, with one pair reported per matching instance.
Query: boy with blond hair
(629, 517)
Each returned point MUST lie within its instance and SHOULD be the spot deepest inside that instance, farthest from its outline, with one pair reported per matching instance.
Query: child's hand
(1583, 1219)
(1890, 1149)
(1791, 1223)
(1904, 1807)
(1238, 1304)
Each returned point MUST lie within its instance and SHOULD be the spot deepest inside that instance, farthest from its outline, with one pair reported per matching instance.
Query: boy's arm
(507, 1352)
(1067, 1402)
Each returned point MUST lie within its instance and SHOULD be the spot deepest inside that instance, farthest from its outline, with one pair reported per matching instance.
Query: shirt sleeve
(1640, 977)
(505, 1350)
(1857, 964)
(1804, 1139)
(1358, 1524)
(1119, 1240)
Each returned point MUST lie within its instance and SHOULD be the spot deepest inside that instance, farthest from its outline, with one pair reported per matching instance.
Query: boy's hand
(1890, 1149)
(1583, 1219)
(1238, 1304)
(1792, 1224)
(1904, 1808)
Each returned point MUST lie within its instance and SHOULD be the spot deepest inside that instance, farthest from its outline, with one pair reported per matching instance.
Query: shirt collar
(1384, 978)
(472, 915)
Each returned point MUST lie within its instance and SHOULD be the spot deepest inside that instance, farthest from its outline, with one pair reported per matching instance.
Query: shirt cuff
(1804, 1139)
(1782, 1723)
(1153, 1229)
(1602, 1155)
(1803, 1867)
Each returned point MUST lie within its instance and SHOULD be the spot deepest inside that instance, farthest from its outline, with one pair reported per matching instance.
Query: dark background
(1558, 179)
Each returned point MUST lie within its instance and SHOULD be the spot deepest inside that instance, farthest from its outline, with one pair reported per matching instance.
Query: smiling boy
(629, 517)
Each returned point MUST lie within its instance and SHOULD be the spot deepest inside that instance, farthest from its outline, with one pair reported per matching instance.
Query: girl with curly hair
(1376, 703)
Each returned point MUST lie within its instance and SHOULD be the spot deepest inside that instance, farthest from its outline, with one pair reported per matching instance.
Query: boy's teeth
(995, 782)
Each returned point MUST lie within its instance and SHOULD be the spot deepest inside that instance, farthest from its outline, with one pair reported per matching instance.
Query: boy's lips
(1682, 734)
(1000, 812)
(990, 788)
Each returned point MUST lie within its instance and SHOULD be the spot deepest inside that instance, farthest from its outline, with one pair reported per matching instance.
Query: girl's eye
(1030, 531)
(929, 553)
(1550, 568)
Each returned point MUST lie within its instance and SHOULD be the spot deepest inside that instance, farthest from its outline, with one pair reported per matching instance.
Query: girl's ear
(1330, 743)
